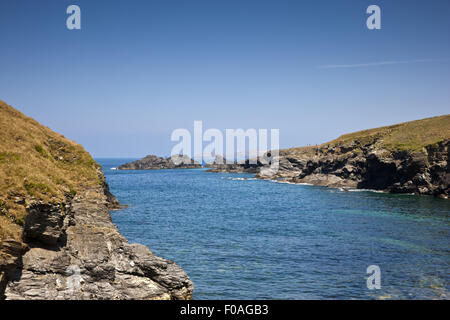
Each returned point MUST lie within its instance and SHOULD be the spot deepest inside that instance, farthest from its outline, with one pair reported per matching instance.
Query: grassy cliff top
(411, 136)
(36, 164)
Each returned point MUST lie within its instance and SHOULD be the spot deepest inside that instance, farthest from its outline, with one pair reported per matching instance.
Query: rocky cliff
(57, 240)
(410, 157)
(152, 162)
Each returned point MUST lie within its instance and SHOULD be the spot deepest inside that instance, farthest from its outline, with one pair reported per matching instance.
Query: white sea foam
(294, 183)
(238, 179)
(364, 190)
(344, 189)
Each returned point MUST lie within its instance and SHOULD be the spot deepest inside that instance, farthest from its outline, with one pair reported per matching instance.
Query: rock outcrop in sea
(57, 239)
(411, 157)
(220, 164)
(152, 162)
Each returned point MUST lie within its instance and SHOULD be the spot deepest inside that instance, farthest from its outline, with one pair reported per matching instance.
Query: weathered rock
(44, 223)
(218, 161)
(366, 167)
(10, 257)
(57, 240)
(220, 164)
(87, 258)
(152, 162)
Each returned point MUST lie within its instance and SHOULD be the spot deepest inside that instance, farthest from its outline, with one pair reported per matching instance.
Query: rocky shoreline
(76, 252)
(425, 172)
(364, 163)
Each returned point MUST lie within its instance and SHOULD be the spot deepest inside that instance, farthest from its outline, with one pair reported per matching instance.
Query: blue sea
(242, 238)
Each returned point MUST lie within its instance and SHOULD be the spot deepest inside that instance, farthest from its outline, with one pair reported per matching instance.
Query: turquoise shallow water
(253, 239)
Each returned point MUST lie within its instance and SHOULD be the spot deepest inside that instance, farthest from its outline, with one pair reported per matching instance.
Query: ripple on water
(241, 238)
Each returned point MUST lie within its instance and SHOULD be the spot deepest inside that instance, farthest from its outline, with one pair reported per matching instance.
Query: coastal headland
(57, 240)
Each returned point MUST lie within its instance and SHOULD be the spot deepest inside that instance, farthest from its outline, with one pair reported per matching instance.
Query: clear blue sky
(139, 69)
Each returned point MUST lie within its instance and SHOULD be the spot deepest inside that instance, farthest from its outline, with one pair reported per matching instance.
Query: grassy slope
(36, 164)
(412, 136)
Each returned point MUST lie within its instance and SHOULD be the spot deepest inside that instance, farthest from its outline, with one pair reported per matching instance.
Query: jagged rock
(220, 164)
(44, 223)
(92, 260)
(152, 162)
(368, 166)
(423, 172)
(218, 161)
(57, 240)
(10, 257)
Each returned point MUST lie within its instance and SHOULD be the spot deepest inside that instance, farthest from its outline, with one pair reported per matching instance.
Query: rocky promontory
(57, 240)
(152, 162)
(220, 164)
(410, 157)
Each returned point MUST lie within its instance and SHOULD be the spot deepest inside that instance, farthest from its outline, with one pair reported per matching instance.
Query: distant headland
(410, 157)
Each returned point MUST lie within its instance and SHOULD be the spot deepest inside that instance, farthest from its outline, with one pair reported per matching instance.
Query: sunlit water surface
(250, 239)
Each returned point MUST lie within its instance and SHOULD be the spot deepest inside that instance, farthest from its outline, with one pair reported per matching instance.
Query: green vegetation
(73, 192)
(33, 188)
(8, 156)
(37, 164)
(41, 150)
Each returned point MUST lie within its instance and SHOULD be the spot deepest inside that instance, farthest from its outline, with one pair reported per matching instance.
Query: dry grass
(36, 164)
(412, 136)
(415, 135)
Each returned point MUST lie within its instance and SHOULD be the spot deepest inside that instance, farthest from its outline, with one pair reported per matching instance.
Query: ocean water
(242, 238)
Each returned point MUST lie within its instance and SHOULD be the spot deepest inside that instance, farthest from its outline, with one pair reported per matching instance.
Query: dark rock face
(44, 223)
(76, 252)
(11, 257)
(366, 167)
(152, 162)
